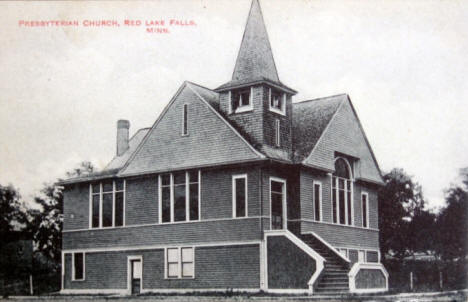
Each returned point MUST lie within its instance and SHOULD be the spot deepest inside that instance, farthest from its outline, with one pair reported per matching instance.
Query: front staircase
(334, 277)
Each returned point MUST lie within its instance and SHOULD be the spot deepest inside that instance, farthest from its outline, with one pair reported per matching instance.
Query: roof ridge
(322, 98)
(201, 86)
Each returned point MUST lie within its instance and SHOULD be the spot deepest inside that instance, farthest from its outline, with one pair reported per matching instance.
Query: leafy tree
(47, 222)
(12, 213)
(400, 200)
(452, 222)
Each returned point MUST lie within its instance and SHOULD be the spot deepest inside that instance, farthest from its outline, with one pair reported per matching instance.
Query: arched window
(342, 188)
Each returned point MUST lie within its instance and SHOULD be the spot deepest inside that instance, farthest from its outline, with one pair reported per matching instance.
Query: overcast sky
(403, 63)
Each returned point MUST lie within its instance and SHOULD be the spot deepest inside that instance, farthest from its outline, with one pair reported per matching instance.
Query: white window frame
(314, 183)
(187, 198)
(234, 197)
(283, 97)
(244, 108)
(285, 212)
(179, 262)
(185, 120)
(73, 266)
(351, 184)
(367, 210)
(114, 191)
(277, 133)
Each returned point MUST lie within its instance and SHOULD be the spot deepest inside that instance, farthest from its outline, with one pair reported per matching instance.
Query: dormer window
(277, 101)
(241, 100)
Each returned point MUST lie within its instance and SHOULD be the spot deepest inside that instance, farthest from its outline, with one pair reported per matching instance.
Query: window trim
(364, 193)
(172, 201)
(114, 191)
(284, 212)
(336, 190)
(277, 133)
(179, 262)
(185, 130)
(234, 205)
(319, 183)
(281, 111)
(244, 108)
(73, 266)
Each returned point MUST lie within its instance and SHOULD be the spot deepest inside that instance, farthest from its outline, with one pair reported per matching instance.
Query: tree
(400, 200)
(452, 222)
(47, 222)
(13, 216)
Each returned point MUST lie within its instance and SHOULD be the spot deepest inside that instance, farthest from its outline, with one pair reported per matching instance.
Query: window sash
(342, 201)
(317, 201)
(365, 209)
(277, 133)
(180, 262)
(102, 204)
(185, 120)
(239, 196)
(179, 202)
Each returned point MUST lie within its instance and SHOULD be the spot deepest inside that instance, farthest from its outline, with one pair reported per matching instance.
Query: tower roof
(255, 61)
(255, 58)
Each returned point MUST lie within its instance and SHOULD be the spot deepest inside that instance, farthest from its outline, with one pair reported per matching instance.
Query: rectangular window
(180, 262)
(317, 201)
(107, 204)
(239, 195)
(179, 196)
(241, 100)
(277, 101)
(194, 195)
(365, 210)
(185, 120)
(334, 205)
(277, 133)
(78, 265)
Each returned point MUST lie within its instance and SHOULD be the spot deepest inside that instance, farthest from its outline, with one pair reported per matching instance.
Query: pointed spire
(255, 58)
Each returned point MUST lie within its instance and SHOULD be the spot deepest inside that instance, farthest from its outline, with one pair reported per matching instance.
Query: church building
(234, 188)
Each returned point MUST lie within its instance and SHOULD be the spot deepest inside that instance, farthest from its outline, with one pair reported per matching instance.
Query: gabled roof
(310, 118)
(213, 142)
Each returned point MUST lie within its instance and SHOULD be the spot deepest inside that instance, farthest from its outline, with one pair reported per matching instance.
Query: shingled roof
(310, 118)
(255, 61)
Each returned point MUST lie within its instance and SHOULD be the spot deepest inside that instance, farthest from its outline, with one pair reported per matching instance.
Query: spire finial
(255, 58)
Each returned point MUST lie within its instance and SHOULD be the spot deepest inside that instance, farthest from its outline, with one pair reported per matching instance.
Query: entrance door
(136, 274)
(278, 203)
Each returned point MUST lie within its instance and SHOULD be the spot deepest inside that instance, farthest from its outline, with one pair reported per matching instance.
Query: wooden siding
(176, 233)
(164, 148)
(344, 135)
(76, 206)
(215, 267)
(288, 265)
(141, 200)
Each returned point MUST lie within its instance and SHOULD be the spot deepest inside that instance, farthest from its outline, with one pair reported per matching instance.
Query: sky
(62, 89)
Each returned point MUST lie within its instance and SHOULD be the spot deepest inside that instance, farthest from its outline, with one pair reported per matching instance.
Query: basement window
(241, 100)
(180, 262)
(78, 266)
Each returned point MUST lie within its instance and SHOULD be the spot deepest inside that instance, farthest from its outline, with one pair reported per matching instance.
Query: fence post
(411, 281)
(31, 290)
(441, 280)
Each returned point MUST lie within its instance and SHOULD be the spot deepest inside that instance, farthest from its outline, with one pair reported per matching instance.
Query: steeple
(255, 58)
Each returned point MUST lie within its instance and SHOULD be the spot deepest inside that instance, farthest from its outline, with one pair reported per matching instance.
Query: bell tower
(255, 100)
